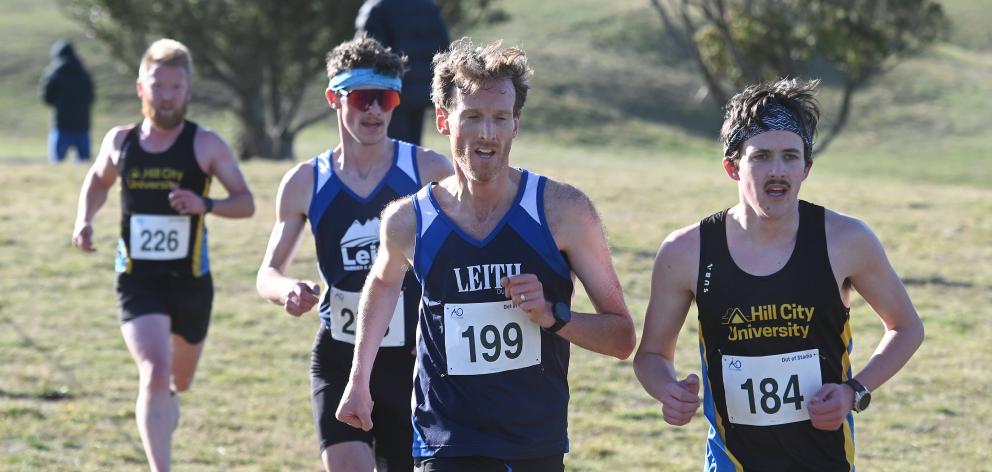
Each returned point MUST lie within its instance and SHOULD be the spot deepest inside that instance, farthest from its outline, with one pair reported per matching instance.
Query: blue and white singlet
(346, 233)
(489, 382)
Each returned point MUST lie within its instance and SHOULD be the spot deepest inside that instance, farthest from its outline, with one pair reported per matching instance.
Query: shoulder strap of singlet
(713, 247)
(130, 139)
(426, 247)
(406, 160)
(531, 201)
(812, 236)
(323, 192)
(187, 136)
(532, 222)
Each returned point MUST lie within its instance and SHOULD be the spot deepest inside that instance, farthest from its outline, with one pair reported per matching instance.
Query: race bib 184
(771, 390)
(485, 338)
(344, 319)
(159, 237)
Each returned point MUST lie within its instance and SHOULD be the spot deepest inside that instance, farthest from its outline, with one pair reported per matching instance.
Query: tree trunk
(284, 145)
(850, 86)
(253, 137)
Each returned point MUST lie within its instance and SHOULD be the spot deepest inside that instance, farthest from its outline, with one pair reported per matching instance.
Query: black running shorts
(392, 386)
(186, 300)
(487, 464)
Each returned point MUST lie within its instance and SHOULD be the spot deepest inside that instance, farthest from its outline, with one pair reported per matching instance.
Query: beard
(166, 120)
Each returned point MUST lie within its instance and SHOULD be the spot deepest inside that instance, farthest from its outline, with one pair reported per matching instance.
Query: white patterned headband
(774, 117)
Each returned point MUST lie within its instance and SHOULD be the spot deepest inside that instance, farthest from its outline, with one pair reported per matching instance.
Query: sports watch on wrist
(208, 203)
(862, 397)
(562, 314)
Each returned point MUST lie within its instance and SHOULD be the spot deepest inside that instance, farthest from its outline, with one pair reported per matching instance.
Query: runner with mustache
(773, 278)
(341, 193)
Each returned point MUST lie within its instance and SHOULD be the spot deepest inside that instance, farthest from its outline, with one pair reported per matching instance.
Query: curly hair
(365, 52)
(468, 67)
(747, 107)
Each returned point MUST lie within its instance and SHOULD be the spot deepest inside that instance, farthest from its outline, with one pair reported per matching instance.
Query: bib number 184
(770, 401)
(770, 390)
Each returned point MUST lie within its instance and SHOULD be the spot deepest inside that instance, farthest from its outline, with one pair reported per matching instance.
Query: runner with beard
(165, 292)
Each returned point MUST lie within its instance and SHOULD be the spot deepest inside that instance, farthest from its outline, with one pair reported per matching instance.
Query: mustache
(781, 182)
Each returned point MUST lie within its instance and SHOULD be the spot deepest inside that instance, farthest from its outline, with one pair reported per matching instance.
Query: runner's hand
(681, 400)
(355, 408)
(185, 202)
(527, 292)
(830, 406)
(302, 298)
(82, 238)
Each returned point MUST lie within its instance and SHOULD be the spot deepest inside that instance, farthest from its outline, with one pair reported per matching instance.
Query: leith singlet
(489, 382)
(768, 343)
(155, 239)
(346, 232)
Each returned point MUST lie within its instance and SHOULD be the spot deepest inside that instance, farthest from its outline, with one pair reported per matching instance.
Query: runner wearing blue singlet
(342, 193)
(496, 249)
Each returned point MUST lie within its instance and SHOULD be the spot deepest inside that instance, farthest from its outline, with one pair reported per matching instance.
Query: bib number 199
(492, 342)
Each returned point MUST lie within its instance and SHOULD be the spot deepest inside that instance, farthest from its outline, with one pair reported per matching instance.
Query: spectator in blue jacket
(414, 28)
(68, 89)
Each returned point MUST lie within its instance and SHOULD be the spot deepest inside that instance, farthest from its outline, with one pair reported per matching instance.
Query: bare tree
(737, 42)
(267, 55)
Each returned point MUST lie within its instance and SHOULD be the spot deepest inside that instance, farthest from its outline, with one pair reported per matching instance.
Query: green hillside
(611, 111)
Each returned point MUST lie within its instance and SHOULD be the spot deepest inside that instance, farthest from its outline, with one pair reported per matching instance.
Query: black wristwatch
(862, 397)
(209, 204)
(562, 314)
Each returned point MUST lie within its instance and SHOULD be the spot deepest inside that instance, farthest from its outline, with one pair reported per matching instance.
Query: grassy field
(912, 165)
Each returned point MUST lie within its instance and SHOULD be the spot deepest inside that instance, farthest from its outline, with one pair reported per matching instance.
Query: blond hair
(166, 52)
(468, 68)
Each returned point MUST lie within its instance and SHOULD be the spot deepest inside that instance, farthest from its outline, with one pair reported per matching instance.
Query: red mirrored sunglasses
(363, 99)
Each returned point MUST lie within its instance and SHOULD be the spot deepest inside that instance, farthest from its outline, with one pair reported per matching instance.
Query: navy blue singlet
(489, 382)
(346, 232)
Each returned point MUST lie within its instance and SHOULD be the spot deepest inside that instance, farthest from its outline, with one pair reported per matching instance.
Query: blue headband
(358, 77)
(774, 117)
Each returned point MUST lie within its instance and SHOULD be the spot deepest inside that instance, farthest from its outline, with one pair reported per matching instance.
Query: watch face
(863, 401)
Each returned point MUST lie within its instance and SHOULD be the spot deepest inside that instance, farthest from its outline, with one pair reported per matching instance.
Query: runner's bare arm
(672, 287)
(578, 232)
(272, 283)
(862, 259)
(221, 163)
(96, 185)
(378, 301)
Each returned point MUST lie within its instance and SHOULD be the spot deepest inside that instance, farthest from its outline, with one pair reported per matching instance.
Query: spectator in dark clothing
(414, 28)
(68, 89)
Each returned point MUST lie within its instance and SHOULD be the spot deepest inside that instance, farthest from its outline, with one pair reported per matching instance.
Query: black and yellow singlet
(768, 343)
(154, 238)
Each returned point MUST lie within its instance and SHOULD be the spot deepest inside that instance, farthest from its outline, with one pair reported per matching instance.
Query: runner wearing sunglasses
(497, 249)
(342, 192)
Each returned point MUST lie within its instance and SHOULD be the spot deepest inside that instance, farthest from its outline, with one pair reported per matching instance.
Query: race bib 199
(344, 319)
(485, 338)
(159, 237)
(771, 390)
